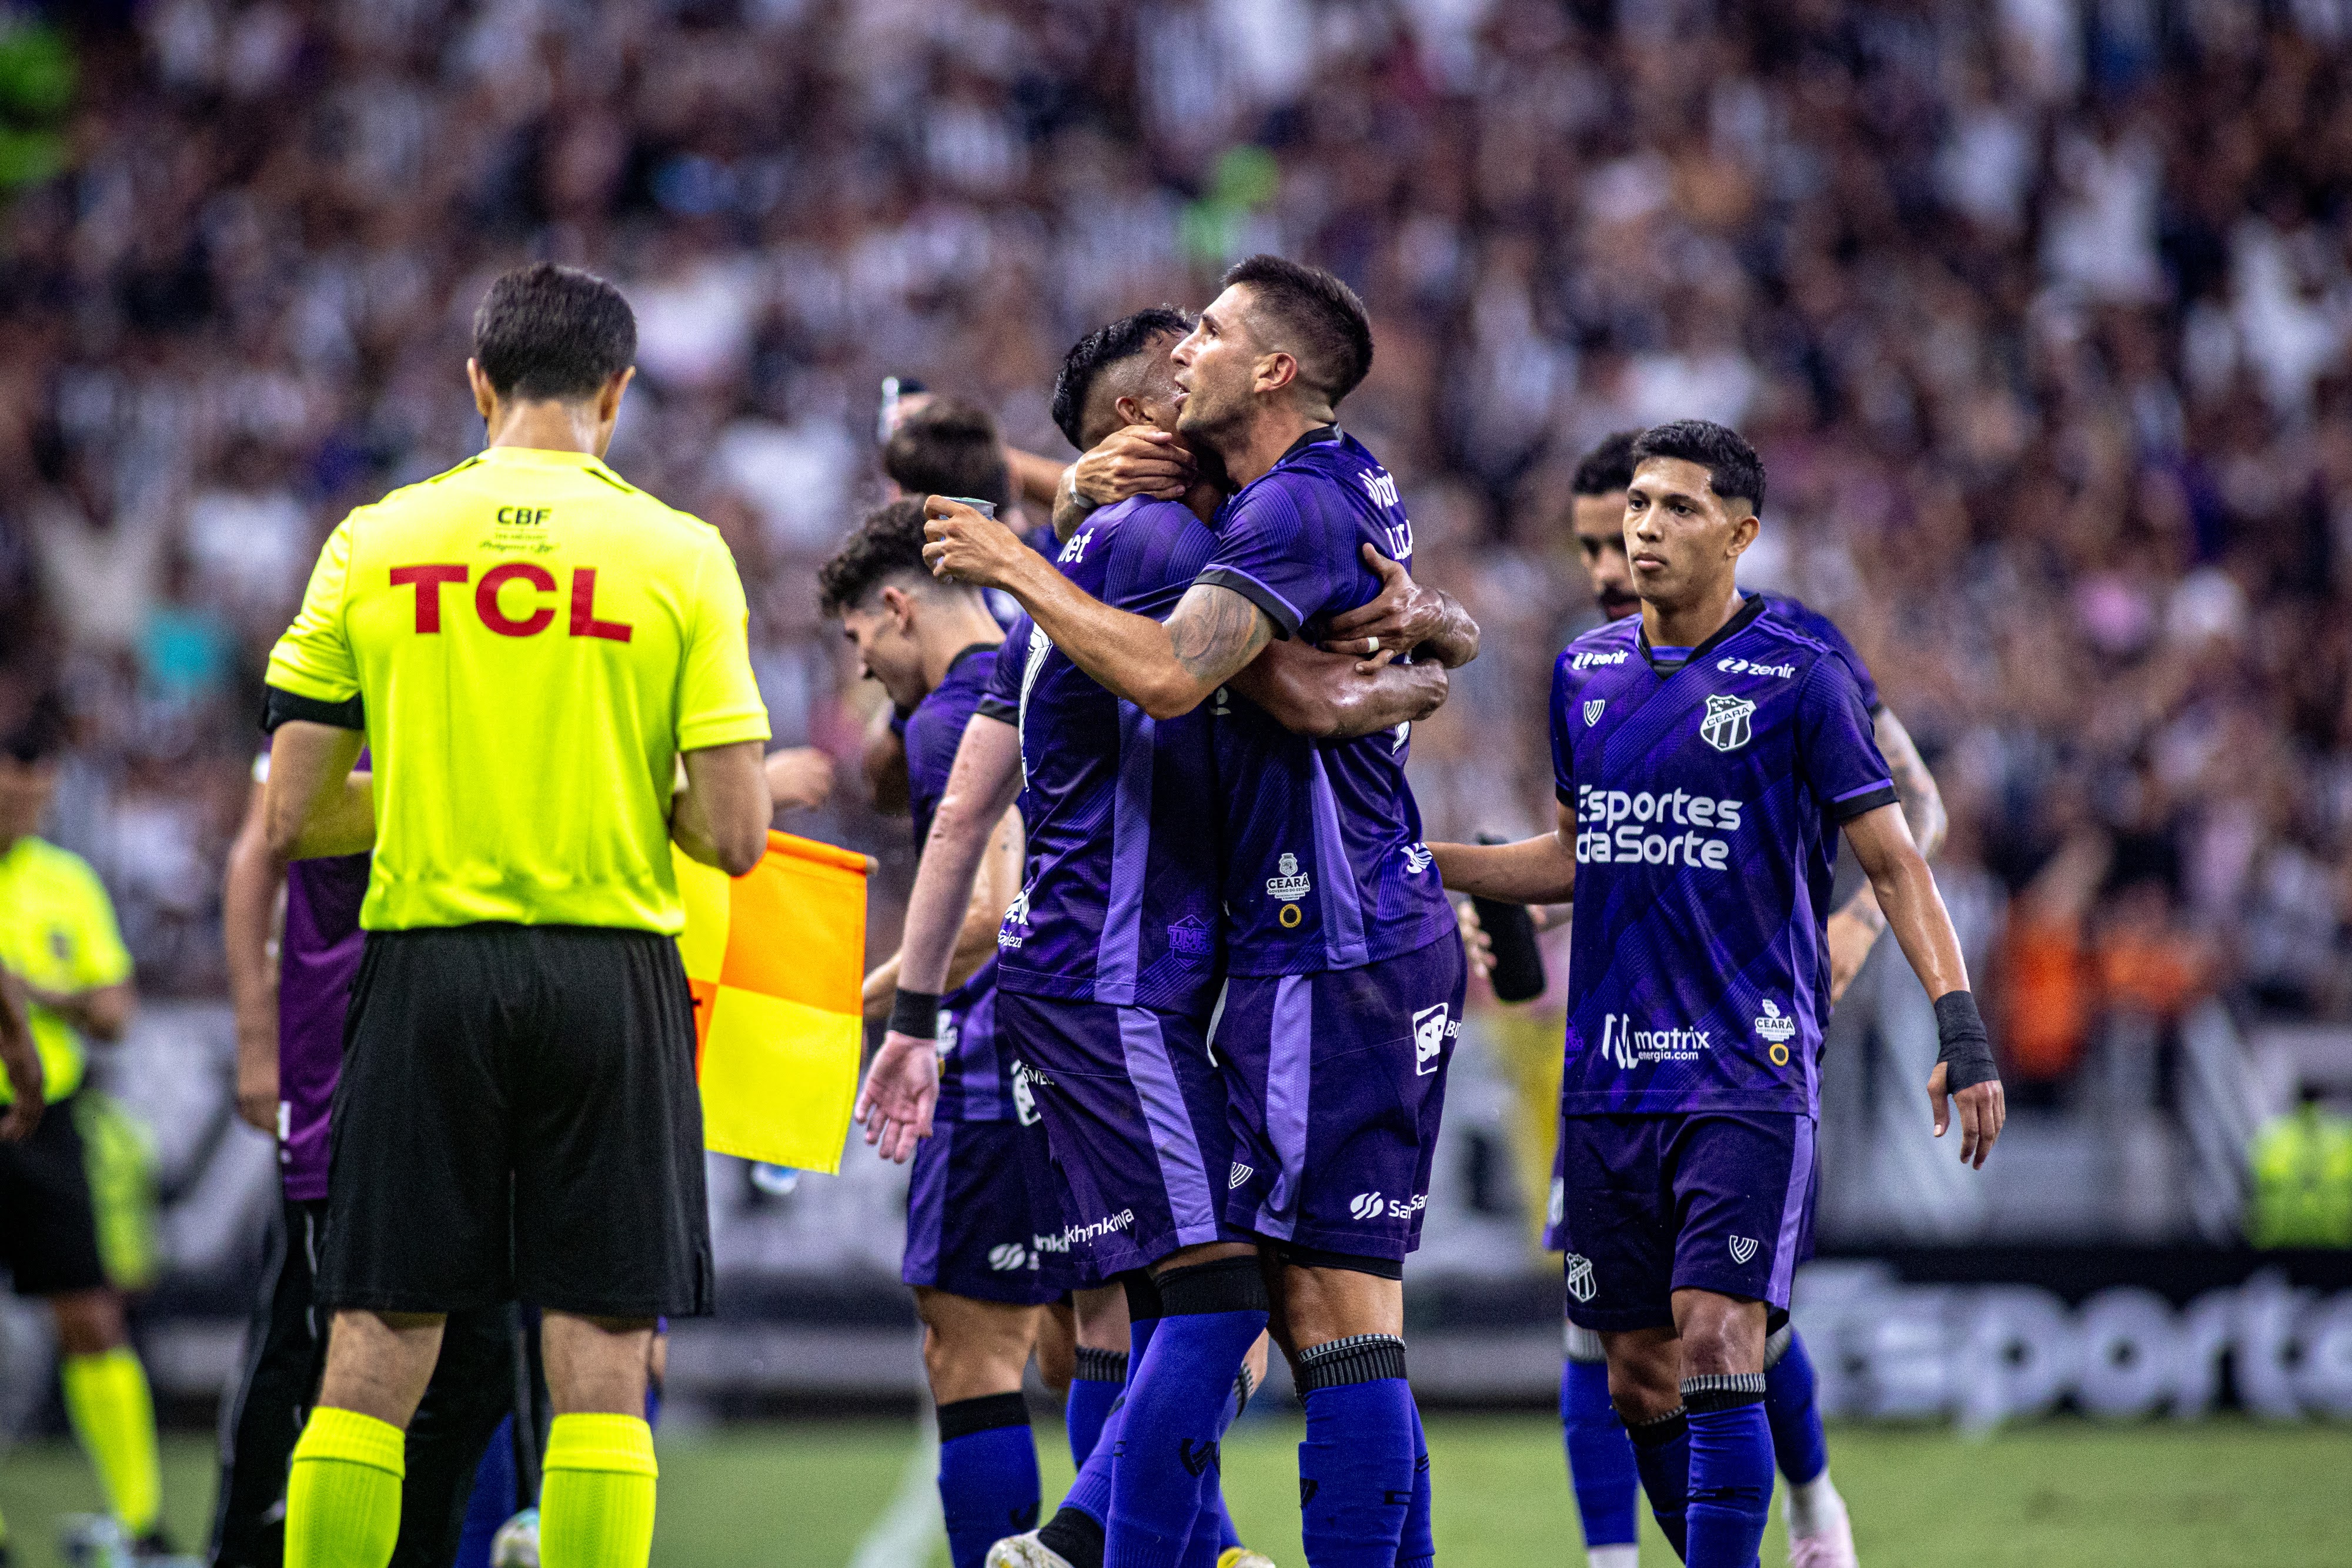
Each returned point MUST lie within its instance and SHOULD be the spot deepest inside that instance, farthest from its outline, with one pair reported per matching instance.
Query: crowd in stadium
(2048, 361)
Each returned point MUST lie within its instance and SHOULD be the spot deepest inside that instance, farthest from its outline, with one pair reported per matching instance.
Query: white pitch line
(910, 1531)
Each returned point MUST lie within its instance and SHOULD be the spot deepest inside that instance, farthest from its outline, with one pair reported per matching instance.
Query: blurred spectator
(2038, 310)
(2303, 1179)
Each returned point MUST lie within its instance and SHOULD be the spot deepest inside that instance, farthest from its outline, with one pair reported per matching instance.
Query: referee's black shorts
(49, 1224)
(518, 1119)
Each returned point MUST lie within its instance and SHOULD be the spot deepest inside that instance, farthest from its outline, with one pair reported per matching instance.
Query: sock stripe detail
(1225, 1285)
(1359, 1358)
(1776, 1345)
(1243, 1386)
(962, 1418)
(617, 1445)
(1659, 1430)
(347, 1435)
(1722, 1391)
(1101, 1366)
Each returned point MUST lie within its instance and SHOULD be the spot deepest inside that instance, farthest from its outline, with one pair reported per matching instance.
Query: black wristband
(1961, 1043)
(915, 1013)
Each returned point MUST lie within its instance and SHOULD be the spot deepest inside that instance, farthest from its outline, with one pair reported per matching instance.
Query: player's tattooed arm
(1915, 787)
(1404, 618)
(1540, 870)
(1332, 697)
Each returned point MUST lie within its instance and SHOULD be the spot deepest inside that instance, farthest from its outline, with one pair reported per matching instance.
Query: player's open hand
(968, 546)
(901, 1087)
(1477, 947)
(1133, 460)
(1982, 1110)
(1398, 618)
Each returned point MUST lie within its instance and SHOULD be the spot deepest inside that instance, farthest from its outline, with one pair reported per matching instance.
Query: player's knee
(89, 1322)
(1722, 1335)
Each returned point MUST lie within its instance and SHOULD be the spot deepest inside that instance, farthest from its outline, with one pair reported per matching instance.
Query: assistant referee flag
(532, 624)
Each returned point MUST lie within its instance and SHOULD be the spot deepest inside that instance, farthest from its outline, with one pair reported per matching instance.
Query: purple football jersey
(1823, 630)
(1120, 901)
(975, 1078)
(318, 957)
(1707, 802)
(1326, 868)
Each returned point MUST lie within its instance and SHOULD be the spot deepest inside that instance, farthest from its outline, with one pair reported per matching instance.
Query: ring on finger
(1375, 642)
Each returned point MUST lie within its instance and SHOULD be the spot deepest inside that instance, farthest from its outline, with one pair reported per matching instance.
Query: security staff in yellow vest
(527, 644)
(2302, 1169)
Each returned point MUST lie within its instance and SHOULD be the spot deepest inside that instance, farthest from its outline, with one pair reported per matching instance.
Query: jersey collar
(969, 651)
(1321, 433)
(1750, 608)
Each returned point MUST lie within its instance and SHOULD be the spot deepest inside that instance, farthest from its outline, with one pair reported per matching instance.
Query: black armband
(1961, 1043)
(915, 1013)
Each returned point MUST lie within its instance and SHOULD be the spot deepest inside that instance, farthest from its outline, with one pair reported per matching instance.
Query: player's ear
(485, 397)
(896, 603)
(1744, 526)
(1274, 371)
(608, 400)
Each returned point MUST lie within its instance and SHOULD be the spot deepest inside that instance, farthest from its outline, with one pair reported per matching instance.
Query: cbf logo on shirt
(1707, 798)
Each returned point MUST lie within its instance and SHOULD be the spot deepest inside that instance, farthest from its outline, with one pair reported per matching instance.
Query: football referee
(527, 644)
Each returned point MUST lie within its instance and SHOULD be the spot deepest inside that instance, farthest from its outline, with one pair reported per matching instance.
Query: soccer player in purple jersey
(1599, 1455)
(1705, 753)
(1344, 973)
(981, 1204)
(1111, 962)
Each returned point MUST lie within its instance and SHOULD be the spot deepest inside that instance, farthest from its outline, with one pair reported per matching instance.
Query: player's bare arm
(1541, 870)
(249, 906)
(1333, 697)
(1164, 669)
(1906, 890)
(1404, 618)
(721, 819)
(902, 1084)
(1036, 479)
(1856, 929)
(998, 882)
(21, 1062)
(312, 807)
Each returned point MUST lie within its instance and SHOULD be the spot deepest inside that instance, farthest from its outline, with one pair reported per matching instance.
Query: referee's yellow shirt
(529, 641)
(57, 932)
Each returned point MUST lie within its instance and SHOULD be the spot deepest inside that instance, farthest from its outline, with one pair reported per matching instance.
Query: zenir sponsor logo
(1588, 661)
(1726, 727)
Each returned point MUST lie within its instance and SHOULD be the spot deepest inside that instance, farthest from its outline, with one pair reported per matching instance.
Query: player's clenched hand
(1476, 945)
(966, 546)
(901, 1087)
(1397, 620)
(799, 777)
(1134, 460)
(1982, 1110)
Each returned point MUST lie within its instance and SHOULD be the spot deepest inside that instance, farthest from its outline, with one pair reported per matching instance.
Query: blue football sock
(1731, 1469)
(1416, 1544)
(1356, 1467)
(1215, 1520)
(1799, 1444)
(1178, 1394)
(1089, 1492)
(1101, 1374)
(492, 1503)
(988, 1474)
(1662, 1448)
(1599, 1455)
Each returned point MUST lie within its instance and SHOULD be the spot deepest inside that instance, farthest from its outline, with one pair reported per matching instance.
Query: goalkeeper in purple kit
(1706, 754)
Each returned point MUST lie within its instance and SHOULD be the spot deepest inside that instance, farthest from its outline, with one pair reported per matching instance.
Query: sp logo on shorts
(1430, 1028)
(1200, 1457)
(1007, 1256)
(1365, 1206)
(1725, 725)
(1241, 1174)
(1743, 1249)
(1580, 1277)
(1592, 711)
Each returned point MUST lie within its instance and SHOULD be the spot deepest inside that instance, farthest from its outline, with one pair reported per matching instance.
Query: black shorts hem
(1302, 1257)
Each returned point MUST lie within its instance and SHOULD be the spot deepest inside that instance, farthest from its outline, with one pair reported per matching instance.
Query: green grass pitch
(2069, 1493)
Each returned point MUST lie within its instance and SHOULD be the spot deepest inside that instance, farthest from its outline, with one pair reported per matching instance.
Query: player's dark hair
(1316, 319)
(949, 447)
(38, 731)
(1608, 467)
(888, 543)
(1097, 351)
(547, 332)
(1733, 469)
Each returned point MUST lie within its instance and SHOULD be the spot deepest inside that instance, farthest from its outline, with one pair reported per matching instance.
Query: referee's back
(537, 640)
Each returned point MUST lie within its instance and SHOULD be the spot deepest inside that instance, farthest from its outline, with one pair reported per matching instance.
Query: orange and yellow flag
(774, 959)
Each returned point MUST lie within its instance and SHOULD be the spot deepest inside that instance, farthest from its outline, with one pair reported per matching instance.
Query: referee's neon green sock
(596, 1504)
(113, 1414)
(342, 1491)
